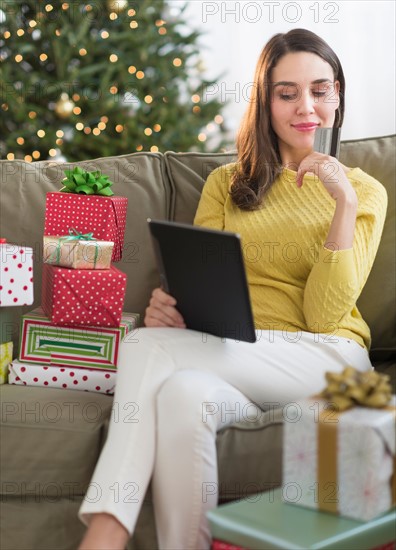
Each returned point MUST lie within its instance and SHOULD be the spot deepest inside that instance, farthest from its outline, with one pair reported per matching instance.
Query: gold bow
(352, 387)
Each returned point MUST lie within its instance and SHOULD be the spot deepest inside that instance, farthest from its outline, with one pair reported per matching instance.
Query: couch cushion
(377, 303)
(51, 440)
(139, 176)
(187, 173)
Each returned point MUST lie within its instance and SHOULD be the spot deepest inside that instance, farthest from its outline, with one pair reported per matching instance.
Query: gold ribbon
(343, 391)
(352, 387)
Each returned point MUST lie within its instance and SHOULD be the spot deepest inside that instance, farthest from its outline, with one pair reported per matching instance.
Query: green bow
(87, 183)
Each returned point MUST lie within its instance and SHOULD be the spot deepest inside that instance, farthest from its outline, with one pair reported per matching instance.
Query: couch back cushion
(377, 303)
(139, 176)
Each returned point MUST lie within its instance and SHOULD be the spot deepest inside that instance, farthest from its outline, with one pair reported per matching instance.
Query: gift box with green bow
(77, 251)
(87, 203)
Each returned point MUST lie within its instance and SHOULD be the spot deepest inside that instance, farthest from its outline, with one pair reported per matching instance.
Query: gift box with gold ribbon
(77, 251)
(339, 448)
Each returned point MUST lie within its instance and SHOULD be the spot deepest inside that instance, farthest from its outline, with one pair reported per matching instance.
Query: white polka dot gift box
(81, 297)
(89, 347)
(16, 274)
(68, 378)
(340, 462)
(105, 217)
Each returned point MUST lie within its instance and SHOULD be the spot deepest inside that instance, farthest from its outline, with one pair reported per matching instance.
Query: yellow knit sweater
(295, 283)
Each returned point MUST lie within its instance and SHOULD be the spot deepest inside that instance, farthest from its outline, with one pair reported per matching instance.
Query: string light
(140, 75)
(202, 136)
(195, 98)
(96, 132)
(133, 24)
(113, 58)
(102, 125)
(20, 140)
(65, 6)
(41, 133)
(52, 152)
(148, 99)
(131, 12)
(218, 119)
(57, 32)
(10, 156)
(7, 34)
(154, 149)
(87, 130)
(177, 62)
(32, 23)
(113, 90)
(48, 7)
(76, 97)
(157, 127)
(113, 16)
(18, 58)
(119, 128)
(59, 141)
(131, 69)
(196, 109)
(82, 51)
(36, 154)
(32, 114)
(148, 131)
(59, 133)
(20, 32)
(104, 35)
(162, 30)
(28, 158)
(139, 148)
(43, 57)
(77, 110)
(79, 126)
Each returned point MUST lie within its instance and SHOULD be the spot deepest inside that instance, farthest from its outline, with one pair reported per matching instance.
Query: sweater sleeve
(210, 211)
(338, 277)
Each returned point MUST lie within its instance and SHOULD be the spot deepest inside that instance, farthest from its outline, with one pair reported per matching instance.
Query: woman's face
(304, 97)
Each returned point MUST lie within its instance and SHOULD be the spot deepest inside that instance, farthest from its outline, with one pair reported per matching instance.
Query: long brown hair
(259, 161)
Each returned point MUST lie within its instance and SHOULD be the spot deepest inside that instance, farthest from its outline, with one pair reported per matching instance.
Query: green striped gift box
(91, 347)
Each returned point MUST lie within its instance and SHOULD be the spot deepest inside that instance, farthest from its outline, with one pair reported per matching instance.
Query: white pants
(175, 389)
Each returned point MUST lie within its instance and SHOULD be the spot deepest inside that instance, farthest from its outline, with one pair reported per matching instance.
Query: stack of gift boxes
(72, 341)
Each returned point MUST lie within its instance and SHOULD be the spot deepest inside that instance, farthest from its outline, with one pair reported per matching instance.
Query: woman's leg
(271, 372)
(191, 407)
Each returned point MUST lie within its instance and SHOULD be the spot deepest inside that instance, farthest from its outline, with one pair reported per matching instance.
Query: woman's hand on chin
(162, 312)
(330, 172)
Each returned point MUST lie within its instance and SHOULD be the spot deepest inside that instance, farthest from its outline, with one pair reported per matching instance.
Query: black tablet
(203, 270)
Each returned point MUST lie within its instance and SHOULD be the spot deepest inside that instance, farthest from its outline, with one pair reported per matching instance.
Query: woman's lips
(305, 127)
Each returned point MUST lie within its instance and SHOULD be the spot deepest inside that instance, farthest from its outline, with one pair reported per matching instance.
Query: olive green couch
(51, 438)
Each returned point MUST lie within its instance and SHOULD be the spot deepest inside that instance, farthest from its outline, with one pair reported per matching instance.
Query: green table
(263, 522)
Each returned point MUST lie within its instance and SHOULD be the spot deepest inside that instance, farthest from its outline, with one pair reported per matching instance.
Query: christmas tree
(88, 79)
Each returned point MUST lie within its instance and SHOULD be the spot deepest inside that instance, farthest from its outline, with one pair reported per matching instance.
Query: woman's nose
(305, 103)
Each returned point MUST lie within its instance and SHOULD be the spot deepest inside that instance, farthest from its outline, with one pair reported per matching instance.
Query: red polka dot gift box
(68, 378)
(16, 274)
(83, 297)
(105, 217)
(46, 344)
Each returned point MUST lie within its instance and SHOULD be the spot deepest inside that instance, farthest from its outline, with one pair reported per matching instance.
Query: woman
(316, 225)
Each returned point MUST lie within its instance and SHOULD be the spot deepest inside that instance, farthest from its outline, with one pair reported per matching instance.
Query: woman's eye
(319, 94)
(288, 97)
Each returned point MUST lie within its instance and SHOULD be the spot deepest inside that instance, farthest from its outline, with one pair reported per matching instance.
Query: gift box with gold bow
(339, 449)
